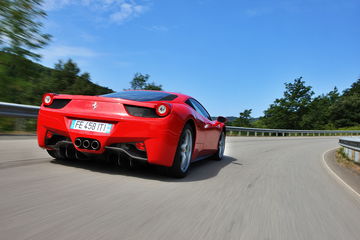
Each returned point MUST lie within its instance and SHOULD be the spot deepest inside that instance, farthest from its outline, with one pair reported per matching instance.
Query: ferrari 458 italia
(156, 127)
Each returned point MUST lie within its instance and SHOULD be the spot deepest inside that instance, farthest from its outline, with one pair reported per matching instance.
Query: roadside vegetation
(299, 109)
(343, 160)
(24, 81)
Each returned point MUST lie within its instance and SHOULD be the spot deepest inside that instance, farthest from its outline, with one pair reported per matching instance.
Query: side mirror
(221, 119)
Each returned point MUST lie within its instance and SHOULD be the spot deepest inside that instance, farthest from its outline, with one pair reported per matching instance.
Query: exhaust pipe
(78, 142)
(86, 143)
(119, 160)
(95, 145)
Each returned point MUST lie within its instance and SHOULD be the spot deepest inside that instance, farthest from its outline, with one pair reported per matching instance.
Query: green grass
(350, 128)
(343, 160)
(17, 125)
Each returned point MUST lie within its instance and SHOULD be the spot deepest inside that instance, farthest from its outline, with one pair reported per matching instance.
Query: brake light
(48, 98)
(140, 146)
(49, 134)
(162, 109)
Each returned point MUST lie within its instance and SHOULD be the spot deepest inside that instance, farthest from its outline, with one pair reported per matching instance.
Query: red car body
(158, 136)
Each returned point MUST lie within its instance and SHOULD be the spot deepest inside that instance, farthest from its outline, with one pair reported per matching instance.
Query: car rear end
(76, 126)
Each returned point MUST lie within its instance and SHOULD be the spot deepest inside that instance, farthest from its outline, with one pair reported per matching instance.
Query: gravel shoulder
(348, 175)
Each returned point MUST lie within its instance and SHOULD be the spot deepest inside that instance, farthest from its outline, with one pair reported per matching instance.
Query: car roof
(180, 97)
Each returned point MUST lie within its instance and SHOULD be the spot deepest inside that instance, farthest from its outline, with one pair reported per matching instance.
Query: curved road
(265, 188)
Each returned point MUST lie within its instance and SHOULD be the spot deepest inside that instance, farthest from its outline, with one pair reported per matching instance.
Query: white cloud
(88, 37)
(50, 5)
(69, 51)
(52, 54)
(126, 11)
(117, 11)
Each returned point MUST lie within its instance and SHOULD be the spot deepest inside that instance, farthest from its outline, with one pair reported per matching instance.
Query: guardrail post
(247, 133)
(356, 157)
(262, 134)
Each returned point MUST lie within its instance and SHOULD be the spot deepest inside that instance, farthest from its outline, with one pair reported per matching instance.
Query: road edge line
(339, 179)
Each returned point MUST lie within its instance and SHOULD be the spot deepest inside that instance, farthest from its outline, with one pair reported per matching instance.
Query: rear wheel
(221, 147)
(63, 153)
(53, 154)
(183, 154)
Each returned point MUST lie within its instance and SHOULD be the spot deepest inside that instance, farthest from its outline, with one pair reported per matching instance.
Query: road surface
(265, 188)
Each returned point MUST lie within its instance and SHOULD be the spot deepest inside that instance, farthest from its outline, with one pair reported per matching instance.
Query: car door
(209, 127)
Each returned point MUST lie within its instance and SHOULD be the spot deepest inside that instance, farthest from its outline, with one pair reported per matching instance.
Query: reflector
(140, 146)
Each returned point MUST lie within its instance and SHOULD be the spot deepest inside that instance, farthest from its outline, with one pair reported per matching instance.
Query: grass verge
(343, 160)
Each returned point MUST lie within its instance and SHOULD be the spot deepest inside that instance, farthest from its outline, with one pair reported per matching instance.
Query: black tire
(53, 153)
(179, 169)
(220, 153)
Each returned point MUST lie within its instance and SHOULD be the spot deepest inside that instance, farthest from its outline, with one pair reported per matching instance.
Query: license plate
(91, 126)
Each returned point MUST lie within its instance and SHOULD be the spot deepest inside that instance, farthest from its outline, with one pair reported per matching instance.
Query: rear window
(142, 96)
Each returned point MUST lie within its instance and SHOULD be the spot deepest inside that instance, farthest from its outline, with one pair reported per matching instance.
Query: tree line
(24, 81)
(299, 109)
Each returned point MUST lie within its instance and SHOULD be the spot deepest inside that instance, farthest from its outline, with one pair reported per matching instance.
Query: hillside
(23, 81)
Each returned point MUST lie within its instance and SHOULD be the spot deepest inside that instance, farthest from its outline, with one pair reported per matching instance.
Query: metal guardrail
(28, 111)
(288, 132)
(351, 147)
(18, 110)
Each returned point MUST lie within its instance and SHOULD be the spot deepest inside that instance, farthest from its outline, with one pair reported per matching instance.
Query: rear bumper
(160, 135)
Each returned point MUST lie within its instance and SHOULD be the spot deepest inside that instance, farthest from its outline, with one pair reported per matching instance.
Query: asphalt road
(265, 188)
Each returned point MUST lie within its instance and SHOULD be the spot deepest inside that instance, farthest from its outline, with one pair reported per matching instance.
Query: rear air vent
(141, 111)
(58, 103)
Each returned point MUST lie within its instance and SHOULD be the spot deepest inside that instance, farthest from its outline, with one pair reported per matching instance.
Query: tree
(67, 79)
(345, 112)
(319, 113)
(353, 90)
(287, 112)
(153, 86)
(244, 119)
(139, 82)
(20, 28)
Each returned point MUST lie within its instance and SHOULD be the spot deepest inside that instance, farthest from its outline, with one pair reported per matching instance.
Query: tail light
(141, 111)
(48, 98)
(140, 146)
(49, 134)
(58, 103)
(162, 109)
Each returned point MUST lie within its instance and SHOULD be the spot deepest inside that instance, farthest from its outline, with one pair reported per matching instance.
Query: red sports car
(161, 128)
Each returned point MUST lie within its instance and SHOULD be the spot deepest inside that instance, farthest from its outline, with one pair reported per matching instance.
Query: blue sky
(230, 55)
